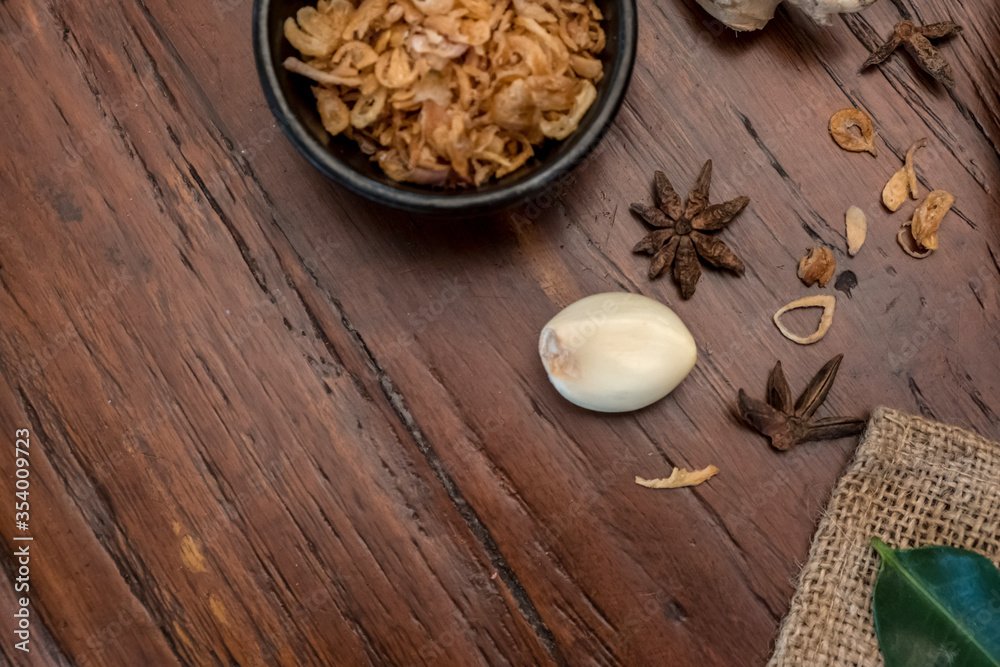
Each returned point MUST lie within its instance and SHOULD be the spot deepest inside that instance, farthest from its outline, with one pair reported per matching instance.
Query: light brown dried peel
(894, 192)
(928, 216)
(903, 181)
(818, 266)
(909, 246)
(825, 301)
(857, 230)
(678, 478)
(842, 128)
(911, 174)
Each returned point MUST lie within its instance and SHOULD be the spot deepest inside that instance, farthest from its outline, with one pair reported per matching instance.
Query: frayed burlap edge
(913, 483)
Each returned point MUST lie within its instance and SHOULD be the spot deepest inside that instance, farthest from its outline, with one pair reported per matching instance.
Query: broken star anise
(680, 237)
(787, 425)
(917, 39)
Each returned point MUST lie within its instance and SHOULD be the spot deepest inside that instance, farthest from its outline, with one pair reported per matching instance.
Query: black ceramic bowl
(294, 107)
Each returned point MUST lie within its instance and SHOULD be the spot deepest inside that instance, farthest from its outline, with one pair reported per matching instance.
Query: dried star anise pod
(680, 237)
(787, 425)
(917, 39)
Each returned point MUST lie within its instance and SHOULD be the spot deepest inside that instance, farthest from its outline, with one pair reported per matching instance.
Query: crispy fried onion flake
(678, 478)
(449, 92)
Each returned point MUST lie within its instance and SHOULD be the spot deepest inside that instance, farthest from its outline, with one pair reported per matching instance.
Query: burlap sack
(913, 483)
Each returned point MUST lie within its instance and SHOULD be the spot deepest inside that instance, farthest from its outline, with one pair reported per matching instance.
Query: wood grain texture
(274, 424)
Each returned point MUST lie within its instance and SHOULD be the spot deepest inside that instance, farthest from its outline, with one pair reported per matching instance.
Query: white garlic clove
(616, 352)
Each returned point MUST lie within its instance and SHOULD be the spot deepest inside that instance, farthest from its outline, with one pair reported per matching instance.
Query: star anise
(787, 425)
(680, 237)
(917, 39)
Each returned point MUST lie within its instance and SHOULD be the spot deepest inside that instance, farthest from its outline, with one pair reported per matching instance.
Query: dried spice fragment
(903, 181)
(911, 174)
(857, 230)
(788, 425)
(894, 192)
(681, 231)
(842, 126)
(827, 302)
(678, 478)
(928, 216)
(909, 245)
(818, 266)
(917, 40)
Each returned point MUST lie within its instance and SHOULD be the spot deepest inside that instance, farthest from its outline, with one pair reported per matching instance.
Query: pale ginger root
(753, 14)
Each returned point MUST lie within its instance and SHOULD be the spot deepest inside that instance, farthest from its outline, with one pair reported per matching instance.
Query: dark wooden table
(273, 424)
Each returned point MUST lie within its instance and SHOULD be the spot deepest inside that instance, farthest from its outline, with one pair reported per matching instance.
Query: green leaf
(937, 606)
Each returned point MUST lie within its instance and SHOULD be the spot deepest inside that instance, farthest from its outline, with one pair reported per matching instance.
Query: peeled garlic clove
(616, 352)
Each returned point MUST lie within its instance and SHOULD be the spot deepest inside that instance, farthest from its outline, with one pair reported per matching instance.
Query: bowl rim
(470, 202)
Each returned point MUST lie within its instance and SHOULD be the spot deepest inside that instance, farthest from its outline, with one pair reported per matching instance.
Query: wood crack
(918, 397)
(241, 243)
(744, 557)
(318, 328)
(993, 258)
(783, 173)
(772, 160)
(457, 498)
(161, 83)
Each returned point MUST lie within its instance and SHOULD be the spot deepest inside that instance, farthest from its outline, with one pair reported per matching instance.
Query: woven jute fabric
(913, 483)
